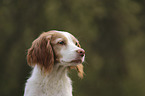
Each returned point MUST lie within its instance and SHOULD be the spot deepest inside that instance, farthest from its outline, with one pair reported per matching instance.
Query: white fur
(55, 84)
(69, 53)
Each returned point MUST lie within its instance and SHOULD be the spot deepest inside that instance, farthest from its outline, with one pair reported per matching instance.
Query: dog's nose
(81, 52)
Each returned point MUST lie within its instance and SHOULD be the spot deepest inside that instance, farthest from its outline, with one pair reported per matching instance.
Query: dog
(51, 56)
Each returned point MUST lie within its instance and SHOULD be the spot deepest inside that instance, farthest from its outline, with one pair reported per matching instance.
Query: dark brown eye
(77, 44)
(61, 43)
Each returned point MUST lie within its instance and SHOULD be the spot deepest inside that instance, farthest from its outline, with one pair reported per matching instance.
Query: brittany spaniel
(52, 55)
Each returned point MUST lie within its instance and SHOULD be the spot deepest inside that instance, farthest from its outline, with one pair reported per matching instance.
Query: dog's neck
(58, 72)
(57, 82)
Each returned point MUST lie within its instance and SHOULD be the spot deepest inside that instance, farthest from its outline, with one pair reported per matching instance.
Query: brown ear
(41, 53)
(79, 68)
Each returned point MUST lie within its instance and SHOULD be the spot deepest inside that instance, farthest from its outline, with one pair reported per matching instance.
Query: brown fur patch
(56, 46)
(79, 69)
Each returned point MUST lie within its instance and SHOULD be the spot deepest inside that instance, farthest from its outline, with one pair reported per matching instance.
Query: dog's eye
(61, 43)
(77, 44)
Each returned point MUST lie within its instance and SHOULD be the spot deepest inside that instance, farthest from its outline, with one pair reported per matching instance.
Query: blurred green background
(111, 31)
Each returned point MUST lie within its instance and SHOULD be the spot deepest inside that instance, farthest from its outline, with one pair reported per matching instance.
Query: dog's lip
(76, 61)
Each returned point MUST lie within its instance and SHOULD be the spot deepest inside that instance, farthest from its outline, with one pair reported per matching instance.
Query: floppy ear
(79, 68)
(41, 53)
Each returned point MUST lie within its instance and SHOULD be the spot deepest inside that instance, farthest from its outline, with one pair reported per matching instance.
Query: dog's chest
(56, 86)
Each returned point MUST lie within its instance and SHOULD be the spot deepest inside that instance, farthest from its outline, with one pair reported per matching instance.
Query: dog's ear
(41, 53)
(79, 69)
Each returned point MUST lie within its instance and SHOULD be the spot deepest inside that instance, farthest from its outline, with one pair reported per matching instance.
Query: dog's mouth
(76, 61)
(72, 62)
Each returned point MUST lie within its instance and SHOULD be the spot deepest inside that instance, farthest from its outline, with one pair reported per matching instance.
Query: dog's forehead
(60, 35)
(69, 37)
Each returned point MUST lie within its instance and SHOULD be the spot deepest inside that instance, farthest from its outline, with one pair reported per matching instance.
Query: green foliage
(111, 32)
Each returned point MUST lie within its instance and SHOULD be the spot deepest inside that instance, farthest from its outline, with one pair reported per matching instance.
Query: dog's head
(56, 47)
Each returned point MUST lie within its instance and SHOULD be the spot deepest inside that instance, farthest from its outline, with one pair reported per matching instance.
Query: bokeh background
(111, 31)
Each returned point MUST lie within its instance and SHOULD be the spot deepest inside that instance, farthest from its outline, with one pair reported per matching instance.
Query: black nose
(81, 52)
